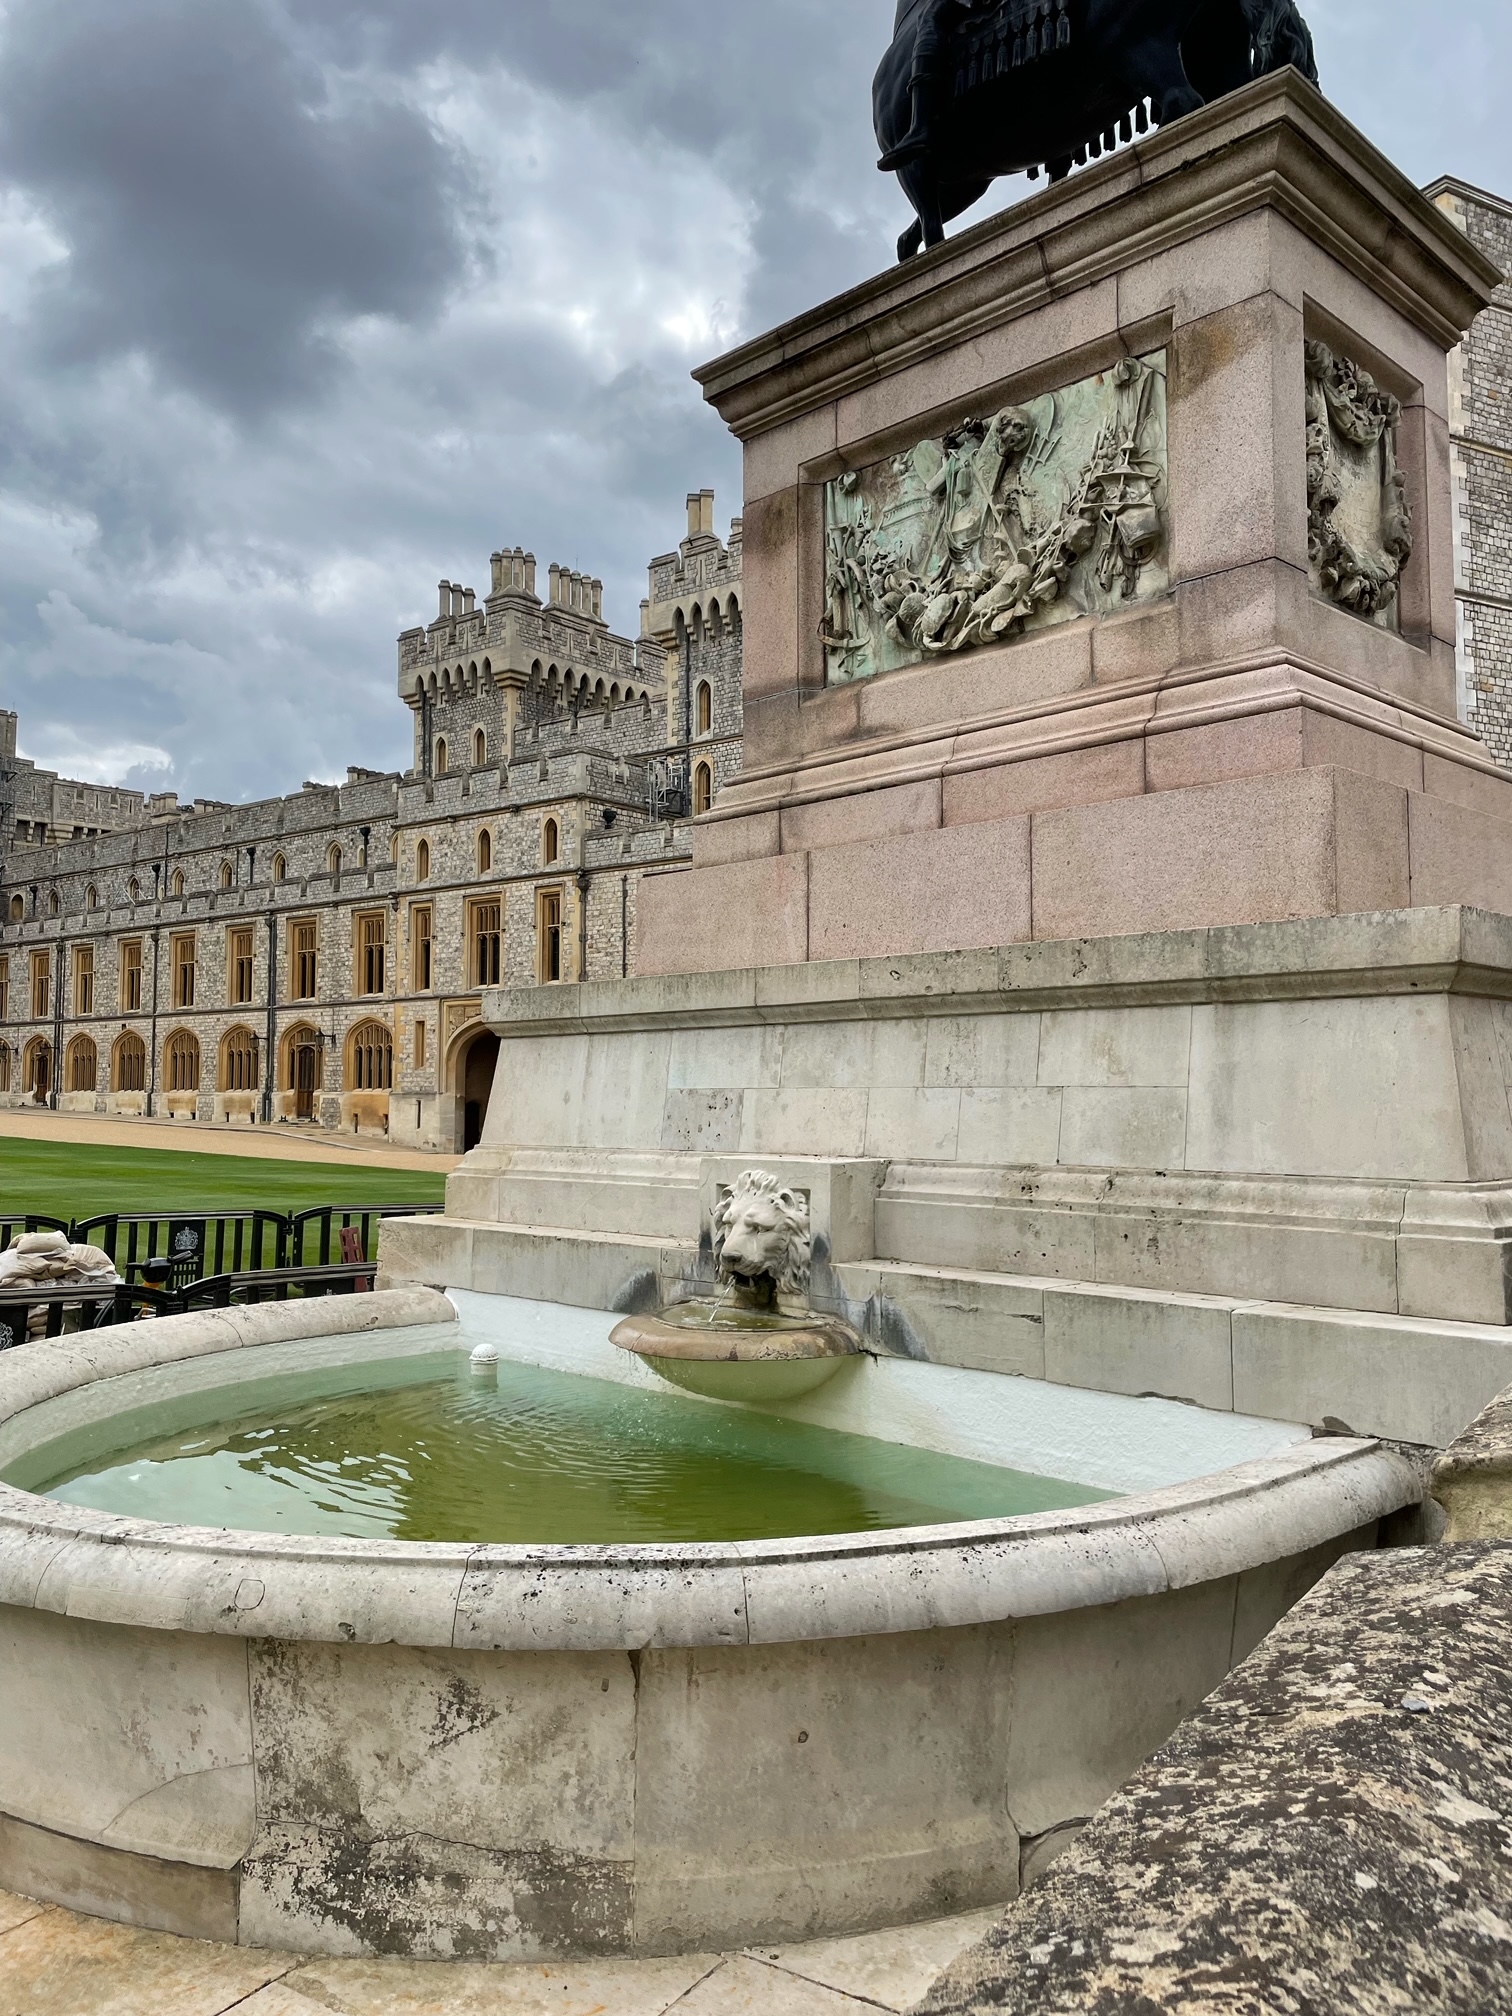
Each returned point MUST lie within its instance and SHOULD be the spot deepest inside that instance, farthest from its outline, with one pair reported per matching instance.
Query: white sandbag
(41, 1242)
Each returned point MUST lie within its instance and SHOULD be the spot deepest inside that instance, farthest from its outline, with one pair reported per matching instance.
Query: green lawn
(60, 1180)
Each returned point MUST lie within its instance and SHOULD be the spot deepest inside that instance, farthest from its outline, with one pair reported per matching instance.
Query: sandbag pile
(47, 1260)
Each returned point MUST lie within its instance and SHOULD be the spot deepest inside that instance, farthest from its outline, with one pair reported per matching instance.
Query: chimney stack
(496, 562)
(469, 601)
(556, 585)
(530, 573)
(446, 604)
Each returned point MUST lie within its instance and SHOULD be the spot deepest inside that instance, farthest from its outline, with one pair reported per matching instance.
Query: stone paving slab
(1331, 1831)
(56, 1963)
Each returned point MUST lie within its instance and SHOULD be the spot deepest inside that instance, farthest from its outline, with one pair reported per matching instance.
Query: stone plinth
(1266, 1169)
(1198, 730)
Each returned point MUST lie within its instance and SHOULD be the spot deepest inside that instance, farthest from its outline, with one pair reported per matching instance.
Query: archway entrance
(39, 1073)
(306, 1079)
(475, 1081)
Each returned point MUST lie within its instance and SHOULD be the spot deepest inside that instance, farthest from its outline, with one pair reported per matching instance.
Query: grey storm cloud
(305, 303)
(221, 204)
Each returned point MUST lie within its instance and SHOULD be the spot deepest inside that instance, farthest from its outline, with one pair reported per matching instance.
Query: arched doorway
(302, 1069)
(39, 1070)
(475, 1079)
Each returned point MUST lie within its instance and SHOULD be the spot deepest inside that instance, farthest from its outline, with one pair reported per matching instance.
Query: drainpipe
(57, 1059)
(270, 1061)
(624, 927)
(584, 883)
(158, 877)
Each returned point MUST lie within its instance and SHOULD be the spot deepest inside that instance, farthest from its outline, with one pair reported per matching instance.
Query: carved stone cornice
(1276, 145)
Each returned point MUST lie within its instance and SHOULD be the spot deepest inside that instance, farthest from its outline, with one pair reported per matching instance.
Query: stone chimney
(701, 514)
(446, 601)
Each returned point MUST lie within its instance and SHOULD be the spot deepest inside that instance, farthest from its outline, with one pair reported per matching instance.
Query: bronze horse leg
(936, 203)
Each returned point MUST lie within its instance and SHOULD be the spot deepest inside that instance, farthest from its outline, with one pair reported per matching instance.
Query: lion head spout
(762, 1239)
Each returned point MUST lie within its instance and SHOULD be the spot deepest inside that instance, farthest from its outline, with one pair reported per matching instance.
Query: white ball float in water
(485, 1358)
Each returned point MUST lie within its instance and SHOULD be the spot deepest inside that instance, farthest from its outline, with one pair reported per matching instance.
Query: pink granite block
(1040, 783)
(719, 843)
(1137, 644)
(1203, 275)
(1422, 674)
(979, 376)
(718, 920)
(864, 815)
(942, 695)
(1326, 739)
(1371, 860)
(1240, 611)
(1237, 439)
(1254, 850)
(1478, 790)
(771, 589)
(775, 460)
(921, 892)
(1249, 746)
(1459, 856)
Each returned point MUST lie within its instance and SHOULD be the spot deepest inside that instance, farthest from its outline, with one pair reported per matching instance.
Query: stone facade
(555, 764)
(1480, 379)
(38, 805)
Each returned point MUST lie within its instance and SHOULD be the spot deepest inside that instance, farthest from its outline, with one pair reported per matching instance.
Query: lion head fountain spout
(763, 1247)
(757, 1339)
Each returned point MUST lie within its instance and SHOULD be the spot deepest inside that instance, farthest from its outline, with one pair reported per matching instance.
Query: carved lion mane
(761, 1231)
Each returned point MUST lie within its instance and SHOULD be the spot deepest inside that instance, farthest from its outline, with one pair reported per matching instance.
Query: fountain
(756, 1340)
(1056, 1001)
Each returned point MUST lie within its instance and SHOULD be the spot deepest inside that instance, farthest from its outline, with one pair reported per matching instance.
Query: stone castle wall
(1481, 418)
(592, 765)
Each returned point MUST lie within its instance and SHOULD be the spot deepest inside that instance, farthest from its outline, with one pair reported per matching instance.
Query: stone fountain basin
(347, 1747)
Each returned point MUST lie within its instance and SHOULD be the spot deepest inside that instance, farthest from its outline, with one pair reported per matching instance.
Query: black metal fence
(34, 1313)
(195, 1245)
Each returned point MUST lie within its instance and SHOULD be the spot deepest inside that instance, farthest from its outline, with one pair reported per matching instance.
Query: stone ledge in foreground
(1331, 1830)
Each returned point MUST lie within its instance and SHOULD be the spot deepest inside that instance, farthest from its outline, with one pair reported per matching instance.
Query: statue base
(1079, 592)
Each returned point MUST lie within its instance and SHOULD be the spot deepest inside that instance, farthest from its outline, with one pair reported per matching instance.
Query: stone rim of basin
(92, 1565)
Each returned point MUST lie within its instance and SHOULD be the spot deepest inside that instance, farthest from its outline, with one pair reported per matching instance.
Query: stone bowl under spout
(755, 1340)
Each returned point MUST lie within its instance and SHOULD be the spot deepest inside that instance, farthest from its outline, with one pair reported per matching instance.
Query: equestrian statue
(974, 89)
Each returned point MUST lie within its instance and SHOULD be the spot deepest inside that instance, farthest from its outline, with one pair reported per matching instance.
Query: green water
(423, 1449)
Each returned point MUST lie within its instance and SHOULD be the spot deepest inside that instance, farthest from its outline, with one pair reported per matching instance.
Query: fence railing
(195, 1245)
(67, 1310)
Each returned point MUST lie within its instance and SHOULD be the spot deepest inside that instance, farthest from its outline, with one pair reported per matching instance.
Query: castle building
(1480, 392)
(321, 959)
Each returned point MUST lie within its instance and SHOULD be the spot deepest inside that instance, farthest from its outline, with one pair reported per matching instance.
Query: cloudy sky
(307, 303)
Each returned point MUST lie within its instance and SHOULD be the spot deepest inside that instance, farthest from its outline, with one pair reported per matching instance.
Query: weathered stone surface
(1472, 1480)
(1330, 1832)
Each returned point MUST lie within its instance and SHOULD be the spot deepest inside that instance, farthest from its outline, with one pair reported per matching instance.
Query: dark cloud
(305, 303)
(224, 210)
